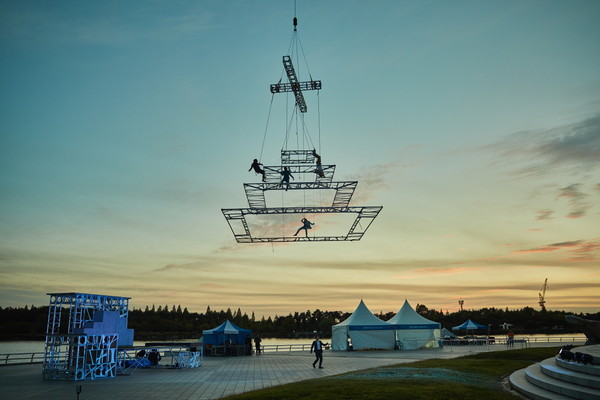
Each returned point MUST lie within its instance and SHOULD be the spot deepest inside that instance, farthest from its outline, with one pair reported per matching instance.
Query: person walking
(318, 347)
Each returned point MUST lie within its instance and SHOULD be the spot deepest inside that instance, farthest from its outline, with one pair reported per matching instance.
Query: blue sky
(127, 126)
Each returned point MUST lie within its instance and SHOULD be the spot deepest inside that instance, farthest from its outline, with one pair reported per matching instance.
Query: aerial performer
(319, 169)
(306, 225)
(257, 168)
(286, 174)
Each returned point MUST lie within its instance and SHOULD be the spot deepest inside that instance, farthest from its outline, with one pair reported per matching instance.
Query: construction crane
(542, 295)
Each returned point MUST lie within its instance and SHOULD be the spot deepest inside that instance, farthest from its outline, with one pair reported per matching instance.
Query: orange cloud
(549, 248)
(579, 249)
(585, 252)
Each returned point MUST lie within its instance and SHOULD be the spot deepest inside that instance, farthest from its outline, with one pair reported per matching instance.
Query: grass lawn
(475, 377)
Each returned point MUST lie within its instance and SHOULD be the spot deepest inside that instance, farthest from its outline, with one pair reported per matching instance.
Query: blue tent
(469, 325)
(226, 336)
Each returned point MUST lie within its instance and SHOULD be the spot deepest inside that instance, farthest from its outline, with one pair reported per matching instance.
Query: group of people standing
(285, 173)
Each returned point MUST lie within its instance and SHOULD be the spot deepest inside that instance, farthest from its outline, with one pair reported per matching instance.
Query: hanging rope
(319, 116)
(262, 148)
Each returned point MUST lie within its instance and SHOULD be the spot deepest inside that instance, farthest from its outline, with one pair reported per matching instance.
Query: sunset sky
(127, 125)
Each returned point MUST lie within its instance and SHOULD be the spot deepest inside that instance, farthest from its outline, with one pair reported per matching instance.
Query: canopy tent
(469, 326)
(446, 334)
(364, 330)
(413, 331)
(226, 334)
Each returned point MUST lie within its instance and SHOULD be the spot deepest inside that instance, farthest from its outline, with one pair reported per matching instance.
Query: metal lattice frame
(171, 356)
(295, 157)
(255, 192)
(294, 85)
(365, 214)
(273, 172)
(300, 163)
(80, 357)
(81, 307)
(72, 356)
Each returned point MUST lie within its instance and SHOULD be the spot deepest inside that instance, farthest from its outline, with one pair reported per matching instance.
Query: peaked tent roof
(362, 316)
(227, 328)
(408, 316)
(446, 333)
(469, 325)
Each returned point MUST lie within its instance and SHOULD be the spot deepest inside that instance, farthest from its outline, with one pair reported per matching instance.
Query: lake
(24, 346)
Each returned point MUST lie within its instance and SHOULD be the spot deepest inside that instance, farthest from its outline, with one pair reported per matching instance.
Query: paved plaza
(218, 377)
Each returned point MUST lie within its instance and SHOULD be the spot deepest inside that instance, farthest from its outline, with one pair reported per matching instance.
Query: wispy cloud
(573, 146)
(549, 247)
(579, 250)
(585, 252)
(544, 215)
(576, 199)
(371, 180)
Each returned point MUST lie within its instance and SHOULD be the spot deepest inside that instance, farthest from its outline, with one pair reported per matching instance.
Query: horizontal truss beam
(272, 172)
(365, 210)
(287, 87)
(255, 192)
(356, 232)
(298, 157)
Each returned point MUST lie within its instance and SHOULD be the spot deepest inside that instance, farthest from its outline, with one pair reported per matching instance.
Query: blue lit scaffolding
(71, 352)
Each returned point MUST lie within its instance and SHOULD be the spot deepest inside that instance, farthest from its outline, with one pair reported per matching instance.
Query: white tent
(413, 331)
(364, 329)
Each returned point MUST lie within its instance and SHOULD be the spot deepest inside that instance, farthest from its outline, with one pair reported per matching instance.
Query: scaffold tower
(309, 175)
(81, 344)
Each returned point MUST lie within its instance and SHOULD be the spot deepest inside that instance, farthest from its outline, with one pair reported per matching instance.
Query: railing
(21, 358)
(559, 339)
(518, 342)
(285, 347)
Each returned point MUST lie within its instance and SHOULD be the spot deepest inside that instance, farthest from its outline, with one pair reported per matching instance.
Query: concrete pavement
(217, 377)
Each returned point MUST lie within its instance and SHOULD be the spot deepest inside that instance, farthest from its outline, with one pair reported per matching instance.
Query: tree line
(173, 322)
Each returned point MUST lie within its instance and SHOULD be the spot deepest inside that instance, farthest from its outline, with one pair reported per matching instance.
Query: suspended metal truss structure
(296, 161)
(309, 175)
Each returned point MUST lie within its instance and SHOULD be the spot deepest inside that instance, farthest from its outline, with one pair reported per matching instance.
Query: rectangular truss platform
(294, 157)
(242, 233)
(272, 172)
(255, 192)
